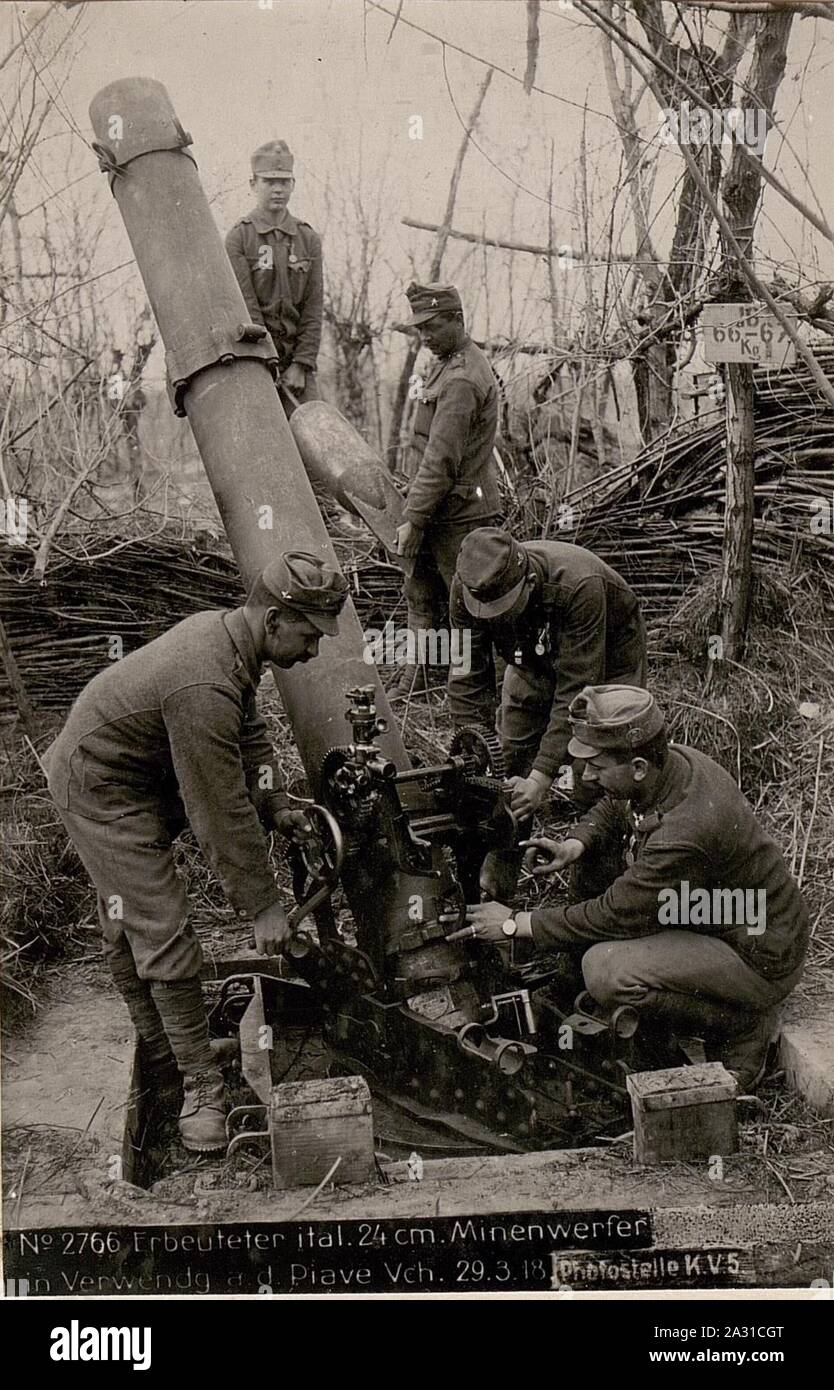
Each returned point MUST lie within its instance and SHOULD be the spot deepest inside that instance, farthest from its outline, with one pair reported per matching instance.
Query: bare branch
(396, 22)
(802, 8)
(50, 405)
(20, 43)
(444, 231)
(505, 244)
(612, 27)
(744, 266)
(533, 7)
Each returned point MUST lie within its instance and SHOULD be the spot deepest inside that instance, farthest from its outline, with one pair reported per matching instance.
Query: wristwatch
(510, 927)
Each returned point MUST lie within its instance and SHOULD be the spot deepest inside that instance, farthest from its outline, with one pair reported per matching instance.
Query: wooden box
(683, 1113)
(312, 1123)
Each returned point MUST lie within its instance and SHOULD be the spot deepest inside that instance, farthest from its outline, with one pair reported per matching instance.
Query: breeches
(427, 588)
(634, 972)
(142, 903)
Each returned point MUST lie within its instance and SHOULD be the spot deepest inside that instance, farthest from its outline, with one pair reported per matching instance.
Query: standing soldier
(169, 736)
(278, 264)
(561, 619)
(453, 479)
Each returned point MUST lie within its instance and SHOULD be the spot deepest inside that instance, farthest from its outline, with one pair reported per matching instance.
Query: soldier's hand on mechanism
(294, 377)
(409, 540)
(527, 793)
(293, 825)
(545, 856)
(488, 922)
(272, 931)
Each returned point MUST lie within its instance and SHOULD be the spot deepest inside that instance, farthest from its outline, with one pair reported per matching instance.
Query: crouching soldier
(703, 929)
(168, 736)
(561, 619)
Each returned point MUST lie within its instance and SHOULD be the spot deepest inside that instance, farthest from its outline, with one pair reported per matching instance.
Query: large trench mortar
(221, 377)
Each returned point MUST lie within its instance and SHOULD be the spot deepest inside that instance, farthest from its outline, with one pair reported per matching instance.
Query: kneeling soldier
(696, 859)
(168, 736)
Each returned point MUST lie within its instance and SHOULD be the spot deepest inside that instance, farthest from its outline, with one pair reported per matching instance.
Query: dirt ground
(786, 1160)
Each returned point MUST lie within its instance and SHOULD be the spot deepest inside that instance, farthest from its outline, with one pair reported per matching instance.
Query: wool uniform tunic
(453, 478)
(452, 474)
(582, 626)
(278, 264)
(701, 833)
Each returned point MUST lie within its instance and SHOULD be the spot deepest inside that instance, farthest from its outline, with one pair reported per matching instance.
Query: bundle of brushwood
(103, 596)
(658, 521)
(106, 594)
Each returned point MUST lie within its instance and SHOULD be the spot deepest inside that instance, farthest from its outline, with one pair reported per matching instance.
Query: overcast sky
(330, 78)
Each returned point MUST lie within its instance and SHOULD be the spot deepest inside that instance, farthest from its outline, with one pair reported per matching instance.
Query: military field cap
(428, 300)
(306, 585)
(273, 160)
(612, 717)
(492, 568)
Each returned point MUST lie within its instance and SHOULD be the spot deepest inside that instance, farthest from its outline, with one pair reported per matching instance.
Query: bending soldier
(171, 735)
(561, 619)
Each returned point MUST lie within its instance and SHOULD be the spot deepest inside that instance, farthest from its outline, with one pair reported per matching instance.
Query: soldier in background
(278, 263)
(453, 478)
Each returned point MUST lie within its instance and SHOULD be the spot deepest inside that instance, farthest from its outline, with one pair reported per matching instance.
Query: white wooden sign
(746, 333)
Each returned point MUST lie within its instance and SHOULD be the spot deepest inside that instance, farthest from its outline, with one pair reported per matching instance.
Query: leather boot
(161, 1083)
(202, 1119)
(181, 1008)
(672, 1017)
(162, 1080)
(687, 1014)
(736, 1036)
(744, 1051)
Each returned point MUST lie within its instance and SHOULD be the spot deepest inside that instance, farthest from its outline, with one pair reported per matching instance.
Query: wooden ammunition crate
(312, 1123)
(683, 1113)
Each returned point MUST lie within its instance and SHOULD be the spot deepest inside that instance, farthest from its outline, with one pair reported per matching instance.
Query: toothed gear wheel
(482, 745)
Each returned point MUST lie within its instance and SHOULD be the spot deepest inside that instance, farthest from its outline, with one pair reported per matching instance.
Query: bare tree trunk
(533, 7)
(401, 397)
(710, 74)
(555, 297)
(741, 190)
(736, 572)
(590, 333)
(652, 382)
